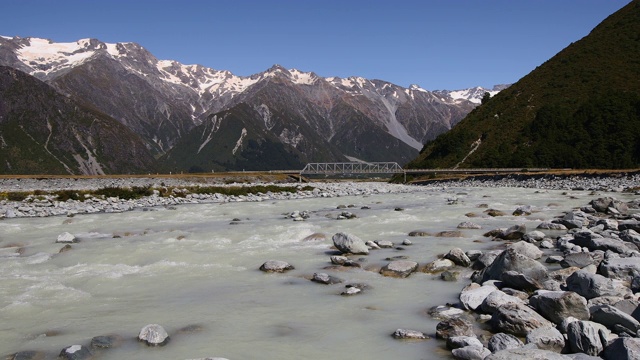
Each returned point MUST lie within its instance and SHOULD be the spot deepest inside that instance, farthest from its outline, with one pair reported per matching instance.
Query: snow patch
(239, 142)
(46, 56)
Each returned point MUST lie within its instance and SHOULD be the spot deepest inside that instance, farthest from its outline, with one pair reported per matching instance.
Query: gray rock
(607, 204)
(75, 352)
(276, 266)
(631, 236)
(623, 348)
(517, 319)
(27, 355)
(629, 225)
(591, 285)
(66, 238)
(510, 259)
(546, 338)
(454, 327)
(518, 281)
(533, 236)
(526, 354)
(554, 259)
(399, 268)
(523, 210)
(527, 249)
(449, 275)
(326, 279)
(473, 255)
(624, 269)
(471, 353)
(487, 258)
(586, 337)
(497, 299)
(546, 225)
(350, 244)
(153, 335)
(437, 266)
(593, 241)
(615, 319)
(546, 244)
(442, 312)
(458, 257)
(502, 341)
(105, 342)
(457, 342)
(473, 295)
(469, 225)
(515, 232)
(385, 244)
(578, 260)
(558, 305)
(409, 334)
(575, 219)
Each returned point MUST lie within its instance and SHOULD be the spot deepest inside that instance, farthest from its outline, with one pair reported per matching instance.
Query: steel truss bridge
(348, 168)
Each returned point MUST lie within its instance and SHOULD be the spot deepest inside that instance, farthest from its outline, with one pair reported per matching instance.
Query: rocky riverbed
(574, 295)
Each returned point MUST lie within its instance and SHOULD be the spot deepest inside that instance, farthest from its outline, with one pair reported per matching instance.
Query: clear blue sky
(438, 44)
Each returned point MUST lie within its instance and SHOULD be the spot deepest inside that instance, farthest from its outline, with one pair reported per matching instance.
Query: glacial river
(196, 274)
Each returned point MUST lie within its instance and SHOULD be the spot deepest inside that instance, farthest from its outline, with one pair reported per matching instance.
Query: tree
(485, 97)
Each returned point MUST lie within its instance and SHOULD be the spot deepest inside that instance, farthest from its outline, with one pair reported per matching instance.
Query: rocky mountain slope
(44, 132)
(580, 109)
(280, 117)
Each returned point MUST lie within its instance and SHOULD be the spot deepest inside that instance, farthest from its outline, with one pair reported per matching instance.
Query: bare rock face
(153, 335)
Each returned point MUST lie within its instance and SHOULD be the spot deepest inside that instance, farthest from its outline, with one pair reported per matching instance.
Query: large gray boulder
(277, 266)
(515, 280)
(473, 295)
(517, 319)
(458, 257)
(510, 259)
(438, 265)
(527, 249)
(615, 319)
(592, 285)
(609, 205)
(580, 260)
(350, 244)
(575, 219)
(624, 269)
(153, 335)
(558, 305)
(471, 352)
(526, 354)
(399, 268)
(547, 338)
(586, 337)
(502, 341)
(498, 299)
(487, 258)
(457, 342)
(593, 241)
(623, 348)
(454, 327)
(515, 232)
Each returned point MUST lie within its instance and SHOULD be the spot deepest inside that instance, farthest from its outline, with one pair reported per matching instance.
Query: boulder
(526, 354)
(276, 266)
(517, 319)
(419, 233)
(623, 348)
(579, 260)
(469, 225)
(75, 352)
(487, 258)
(624, 269)
(527, 249)
(547, 225)
(153, 335)
(458, 257)
(558, 305)
(409, 334)
(502, 341)
(326, 279)
(471, 352)
(454, 327)
(27, 355)
(629, 225)
(609, 205)
(473, 295)
(533, 236)
(105, 342)
(399, 268)
(457, 342)
(384, 244)
(442, 312)
(497, 299)
(515, 232)
(586, 337)
(350, 244)
(66, 238)
(546, 338)
(473, 255)
(593, 241)
(437, 266)
(518, 281)
(592, 285)
(575, 219)
(615, 319)
(523, 210)
(510, 259)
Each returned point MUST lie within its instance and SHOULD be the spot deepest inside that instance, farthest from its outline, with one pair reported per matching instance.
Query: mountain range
(191, 118)
(580, 109)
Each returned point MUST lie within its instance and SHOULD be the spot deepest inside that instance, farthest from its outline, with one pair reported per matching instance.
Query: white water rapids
(191, 267)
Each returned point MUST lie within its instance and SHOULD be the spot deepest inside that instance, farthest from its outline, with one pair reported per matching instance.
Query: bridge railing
(352, 168)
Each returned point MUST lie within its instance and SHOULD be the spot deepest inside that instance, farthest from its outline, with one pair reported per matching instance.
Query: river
(195, 273)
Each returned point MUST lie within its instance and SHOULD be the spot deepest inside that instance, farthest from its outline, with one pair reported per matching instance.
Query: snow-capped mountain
(297, 115)
(474, 94)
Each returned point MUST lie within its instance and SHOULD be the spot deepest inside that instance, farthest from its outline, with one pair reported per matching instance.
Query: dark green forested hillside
(580, 109)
